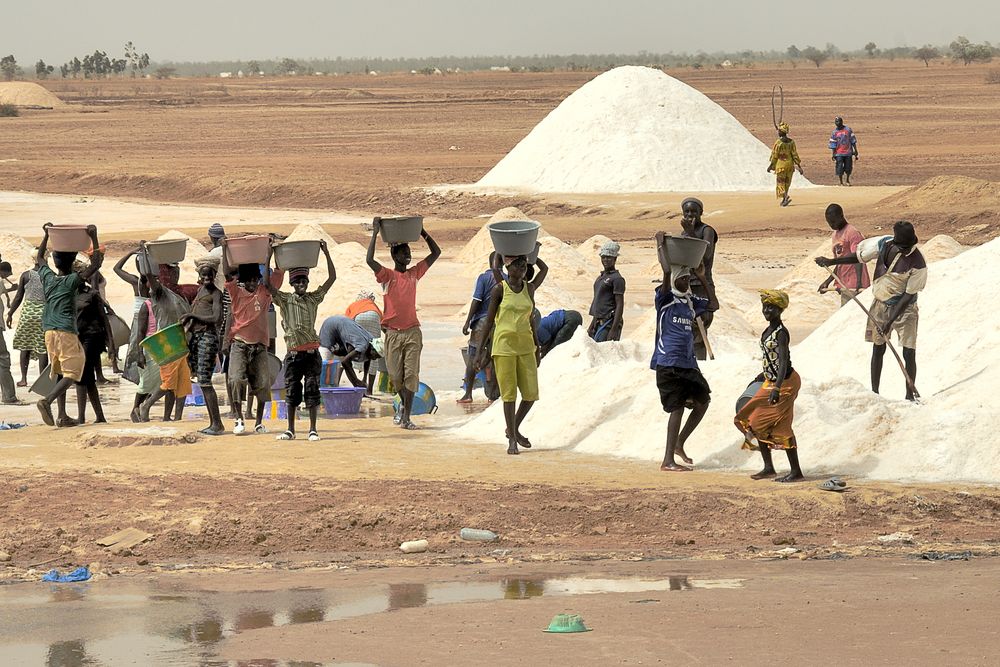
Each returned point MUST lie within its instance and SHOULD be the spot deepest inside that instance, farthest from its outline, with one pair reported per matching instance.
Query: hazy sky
(182, 30)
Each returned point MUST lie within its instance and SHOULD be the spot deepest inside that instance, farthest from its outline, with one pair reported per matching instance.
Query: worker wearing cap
(608, 306)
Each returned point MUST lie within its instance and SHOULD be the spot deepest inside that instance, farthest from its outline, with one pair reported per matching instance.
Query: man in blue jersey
(555, 328)
(474, 327)
(678, 378)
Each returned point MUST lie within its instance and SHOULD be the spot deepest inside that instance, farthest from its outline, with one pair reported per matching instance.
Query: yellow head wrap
(783, 127)
(774, 297)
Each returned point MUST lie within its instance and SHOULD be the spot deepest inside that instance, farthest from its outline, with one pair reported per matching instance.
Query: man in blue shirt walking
(678, 378)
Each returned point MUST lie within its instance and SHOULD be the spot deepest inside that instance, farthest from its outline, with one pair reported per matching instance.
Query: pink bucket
(248, 250)
(69, 238)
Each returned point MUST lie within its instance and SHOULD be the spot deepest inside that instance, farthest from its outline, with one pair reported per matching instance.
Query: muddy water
(121, 622)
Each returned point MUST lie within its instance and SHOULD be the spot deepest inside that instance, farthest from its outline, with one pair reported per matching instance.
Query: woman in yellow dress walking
(784, 162)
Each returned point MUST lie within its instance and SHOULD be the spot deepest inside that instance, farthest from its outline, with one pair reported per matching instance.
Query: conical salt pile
(636, 129)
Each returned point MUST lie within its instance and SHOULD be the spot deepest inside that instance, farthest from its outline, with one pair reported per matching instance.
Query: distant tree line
(98, 64)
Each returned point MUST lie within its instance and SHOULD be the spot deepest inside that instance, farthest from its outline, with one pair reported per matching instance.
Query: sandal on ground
(834, 484)
(16, 401)
(409, 426)
(260, 428)
(208, 430)
(287, 435)
(313, 436)
(239, 428)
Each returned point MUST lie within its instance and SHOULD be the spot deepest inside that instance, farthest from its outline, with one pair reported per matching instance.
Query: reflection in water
(68, 654)
(252, 619)
(522, 589)
(197, 621)
(306, 615)
(404, 596)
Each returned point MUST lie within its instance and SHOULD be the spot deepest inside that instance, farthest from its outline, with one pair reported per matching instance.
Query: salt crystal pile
(841, 426)
(636, 129)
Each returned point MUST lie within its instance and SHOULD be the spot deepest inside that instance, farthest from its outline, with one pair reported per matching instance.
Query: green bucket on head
(566, 623)
(166, 345)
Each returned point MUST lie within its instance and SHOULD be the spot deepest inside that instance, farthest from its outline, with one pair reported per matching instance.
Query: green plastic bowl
(566, 623)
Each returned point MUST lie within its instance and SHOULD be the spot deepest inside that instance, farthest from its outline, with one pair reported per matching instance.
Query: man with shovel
(692, 210)
(900, 274)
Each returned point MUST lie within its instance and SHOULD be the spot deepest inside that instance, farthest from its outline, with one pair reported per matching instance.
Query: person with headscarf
(366, 313)
(692, 227)
(608, 307)
(303, 363)
(900, 274)
(784, 162)
(678, 378)
(766, 419)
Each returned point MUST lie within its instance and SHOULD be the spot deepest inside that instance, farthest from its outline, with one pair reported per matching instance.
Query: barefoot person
(766, 419)
(514, 350)
(7, 387)
(303, 364)
(403, 338)
(368, 315)
(94, 330)
(203, 326)
(784, 162)
(678, 377)
(66, 355)
(900, 274)
(29, 338)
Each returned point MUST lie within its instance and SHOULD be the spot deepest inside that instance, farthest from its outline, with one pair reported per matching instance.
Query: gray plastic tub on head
(684, 251)
(401, 230)
(296, 254)
(168, 251)
(514, 237)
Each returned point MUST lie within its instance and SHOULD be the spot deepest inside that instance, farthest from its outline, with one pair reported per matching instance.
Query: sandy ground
(252, 504)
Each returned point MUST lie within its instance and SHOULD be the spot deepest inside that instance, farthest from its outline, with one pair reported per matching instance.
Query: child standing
(302, 361)
(248, 361)
(66, 356)
(515, 348)
(206, 312)
(403, 338)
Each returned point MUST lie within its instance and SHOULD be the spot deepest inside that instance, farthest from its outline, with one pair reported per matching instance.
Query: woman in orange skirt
(766, 420)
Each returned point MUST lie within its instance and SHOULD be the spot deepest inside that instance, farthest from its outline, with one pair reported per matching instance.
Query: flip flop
(260, 429)
(409, 426)
(313, 436)
(208, 431)
(457, 400)
(287, 435)
(679, 468)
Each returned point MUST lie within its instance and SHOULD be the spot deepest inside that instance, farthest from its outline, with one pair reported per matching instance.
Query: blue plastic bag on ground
(79, 574)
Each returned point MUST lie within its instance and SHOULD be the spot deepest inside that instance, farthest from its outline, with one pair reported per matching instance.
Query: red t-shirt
(249, 310)
(400, 295)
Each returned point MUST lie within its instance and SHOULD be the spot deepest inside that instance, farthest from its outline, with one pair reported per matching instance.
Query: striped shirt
(298, 317)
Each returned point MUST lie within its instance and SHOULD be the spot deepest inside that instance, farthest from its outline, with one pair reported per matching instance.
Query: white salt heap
(602, 399)
(636, 129)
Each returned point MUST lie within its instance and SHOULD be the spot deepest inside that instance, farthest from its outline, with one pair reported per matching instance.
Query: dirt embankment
(280, 518)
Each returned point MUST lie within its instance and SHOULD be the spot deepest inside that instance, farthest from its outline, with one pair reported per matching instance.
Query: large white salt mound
(18, 252)
(636, 129)
(841, 426)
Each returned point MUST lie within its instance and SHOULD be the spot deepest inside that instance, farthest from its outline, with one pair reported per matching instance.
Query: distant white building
(225, 75)
(500, 68)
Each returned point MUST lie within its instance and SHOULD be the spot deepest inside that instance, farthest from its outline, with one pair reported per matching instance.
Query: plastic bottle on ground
(477, 535)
